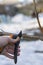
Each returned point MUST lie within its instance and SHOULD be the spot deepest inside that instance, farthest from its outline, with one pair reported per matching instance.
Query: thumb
(13, 41)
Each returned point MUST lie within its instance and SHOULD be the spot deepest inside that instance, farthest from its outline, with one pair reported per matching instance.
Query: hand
(8, 42)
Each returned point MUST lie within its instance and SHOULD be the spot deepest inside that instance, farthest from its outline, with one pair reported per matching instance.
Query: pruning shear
(16, 46)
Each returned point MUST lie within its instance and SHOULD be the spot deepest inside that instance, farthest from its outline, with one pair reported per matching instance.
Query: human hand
(9, 43)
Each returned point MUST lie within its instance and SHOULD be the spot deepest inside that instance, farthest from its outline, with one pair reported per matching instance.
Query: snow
(21, 22)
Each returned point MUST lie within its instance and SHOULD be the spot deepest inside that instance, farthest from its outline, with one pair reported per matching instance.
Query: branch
(24, 36)
(37, 16)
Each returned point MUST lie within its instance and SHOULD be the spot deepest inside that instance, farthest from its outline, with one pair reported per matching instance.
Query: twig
(37, 16)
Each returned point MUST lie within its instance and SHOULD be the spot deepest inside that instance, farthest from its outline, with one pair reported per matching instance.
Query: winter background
(14, 25)
(27, 55)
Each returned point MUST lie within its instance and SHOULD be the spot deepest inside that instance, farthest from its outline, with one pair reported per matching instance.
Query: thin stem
(37, 16)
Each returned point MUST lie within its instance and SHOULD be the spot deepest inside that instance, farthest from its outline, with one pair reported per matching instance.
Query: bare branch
(37, 16)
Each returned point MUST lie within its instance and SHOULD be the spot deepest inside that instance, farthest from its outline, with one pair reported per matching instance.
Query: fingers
(11, 47)
(12, 51)
(8, 55)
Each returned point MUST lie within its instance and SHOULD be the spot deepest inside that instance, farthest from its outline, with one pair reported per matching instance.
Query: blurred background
(25, 15)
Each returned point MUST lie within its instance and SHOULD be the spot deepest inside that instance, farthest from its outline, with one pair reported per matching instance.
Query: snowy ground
(28, 55)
